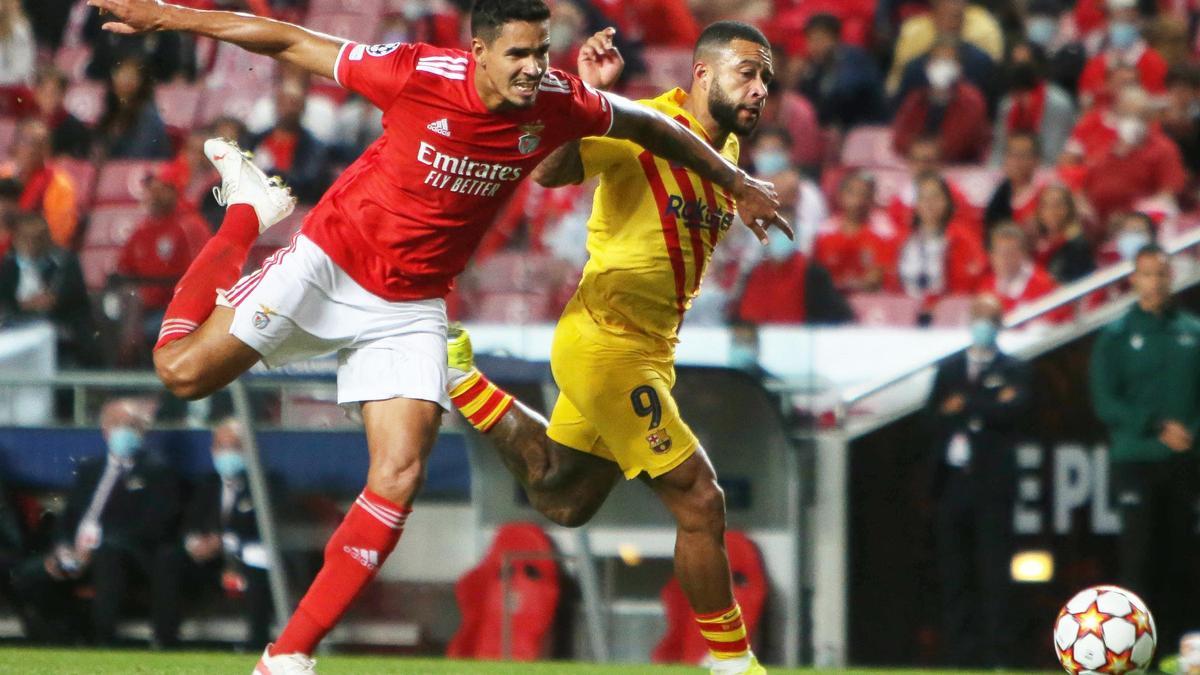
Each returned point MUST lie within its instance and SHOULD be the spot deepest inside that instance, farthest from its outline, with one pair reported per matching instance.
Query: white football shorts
(300, 305)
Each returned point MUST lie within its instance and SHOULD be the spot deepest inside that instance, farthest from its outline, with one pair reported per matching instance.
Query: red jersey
(406, 216)
(850, 256)
(1032, 283)
(161, 249)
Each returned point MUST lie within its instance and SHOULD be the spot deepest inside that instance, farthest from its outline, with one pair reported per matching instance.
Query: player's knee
(705, 509)
(179, 374)
(397, 480)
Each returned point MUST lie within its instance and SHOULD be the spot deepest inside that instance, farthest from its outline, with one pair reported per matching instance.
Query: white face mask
(1131, 130)
(941, 73)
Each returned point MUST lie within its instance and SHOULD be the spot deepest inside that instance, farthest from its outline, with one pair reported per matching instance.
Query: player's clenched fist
(133, 16)
(758, 207)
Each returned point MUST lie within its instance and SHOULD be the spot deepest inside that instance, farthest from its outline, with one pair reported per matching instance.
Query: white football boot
(284, 664)
(244, 183)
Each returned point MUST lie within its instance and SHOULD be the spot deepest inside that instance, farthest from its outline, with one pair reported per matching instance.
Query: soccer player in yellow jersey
(652, 232)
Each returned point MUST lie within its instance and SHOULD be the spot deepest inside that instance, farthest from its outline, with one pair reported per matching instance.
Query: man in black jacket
(119, 517)
(39, 280)
(975, 410)
(221, 544)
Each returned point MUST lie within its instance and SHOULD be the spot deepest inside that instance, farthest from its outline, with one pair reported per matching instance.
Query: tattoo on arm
(564, 166)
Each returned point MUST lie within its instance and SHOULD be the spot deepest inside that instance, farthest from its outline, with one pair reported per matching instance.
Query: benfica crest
(530, 137)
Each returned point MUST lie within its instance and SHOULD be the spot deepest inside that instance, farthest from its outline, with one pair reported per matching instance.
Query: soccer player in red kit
(367, 273)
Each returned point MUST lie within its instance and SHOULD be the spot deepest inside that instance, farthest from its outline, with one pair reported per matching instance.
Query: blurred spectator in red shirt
(69, 136)
(163, 245)
(1061, 246)
(1033, 105)
(130, 126)
(858, 245)
(1141, 163)
(841, 80)
(46, 188)
(1124, 46)
(925, 158)
(1013, 276)
(942, 255)
(1095, 130)
(785, 287)
(668, 23)
(948, 107)
(289, 149)
(1016, 197)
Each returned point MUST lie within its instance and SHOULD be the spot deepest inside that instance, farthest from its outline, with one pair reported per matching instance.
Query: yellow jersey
(652, 232)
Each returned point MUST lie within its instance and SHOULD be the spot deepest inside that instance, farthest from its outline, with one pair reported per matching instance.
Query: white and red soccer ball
(1105, 629)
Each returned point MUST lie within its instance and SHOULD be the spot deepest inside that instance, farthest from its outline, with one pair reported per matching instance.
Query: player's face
(738, 86)
(514, 63)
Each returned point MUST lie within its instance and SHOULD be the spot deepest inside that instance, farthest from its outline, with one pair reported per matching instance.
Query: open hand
(132, 16)
(600, 62)
(758, 207)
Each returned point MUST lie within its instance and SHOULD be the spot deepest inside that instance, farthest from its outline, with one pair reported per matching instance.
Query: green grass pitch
(91, 662)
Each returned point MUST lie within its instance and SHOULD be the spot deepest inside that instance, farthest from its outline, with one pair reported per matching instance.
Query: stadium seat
(885, 309)
(83, 173)
(98, 263)
(363, 8)
(178, 104)
(112, 225)
(120, 181)
(870, 147)
(952, 311)
(344, 25)
(682, 643)
(889, 182)
(73, 61)
(977, 182)
(236, 100)
(8, 130)
(511, 308)
(533, 581)
(85, 100)
(668, 67)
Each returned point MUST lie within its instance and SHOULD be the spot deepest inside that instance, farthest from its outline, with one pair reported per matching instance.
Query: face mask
(779, 247)
(1129, 243)
(983, 334)
(1041, 30)
(941, 73)
(1122, 34)
(229, 463)
(771, 162)
(123, 442)
(1131, 130)
(742, 357)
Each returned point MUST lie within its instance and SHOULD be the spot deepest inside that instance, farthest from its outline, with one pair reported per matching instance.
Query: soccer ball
(1105, 629)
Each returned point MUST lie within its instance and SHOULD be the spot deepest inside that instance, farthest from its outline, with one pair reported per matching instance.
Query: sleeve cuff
(337, 63)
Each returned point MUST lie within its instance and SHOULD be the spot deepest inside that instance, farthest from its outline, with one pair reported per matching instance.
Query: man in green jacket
(1145, 381)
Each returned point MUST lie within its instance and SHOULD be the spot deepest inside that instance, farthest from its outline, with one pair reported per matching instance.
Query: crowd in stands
(925, 150)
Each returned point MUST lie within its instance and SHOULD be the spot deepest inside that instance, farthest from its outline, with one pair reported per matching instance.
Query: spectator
(1065, 55)
(130, 126)
(802, 203)
(1061, 247)
(1181, 115)
(320, 113)
(976, 68)
(120, 514)
(792, 113)
(980, 399)
(17, 47)
(221, 544)
(948, 107)
(925, 158)
(1143, 383)
(1096, 128)
(1013, 277)
(163, 53)
(1140, 163)
(39, 280)
(971, 24)
(46, 188)
(1130, 233)
(785, 287)
(1033, 106)
(162, 246)
(1016, 197)
(942, 254)
(291, 150)
(1126, 47)
(68, 135)
(858, 245)
(841, 80)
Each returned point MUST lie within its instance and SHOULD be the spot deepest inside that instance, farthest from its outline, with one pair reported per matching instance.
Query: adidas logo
(440, 127)
(368, 558)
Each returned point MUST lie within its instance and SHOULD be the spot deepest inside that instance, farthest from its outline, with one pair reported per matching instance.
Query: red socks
(218, 266)
(353, 556)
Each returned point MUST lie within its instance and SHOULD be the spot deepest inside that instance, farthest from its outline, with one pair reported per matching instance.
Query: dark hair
(1150, 249)
(1027, 135)
(721, 33)
(1146, 220)
(120, 115)
(823, 21)
(1072, 209)
(51, 73)
(11, 188)
(487, 16)
(1007, 229)
(861, 175)
(1185, 74)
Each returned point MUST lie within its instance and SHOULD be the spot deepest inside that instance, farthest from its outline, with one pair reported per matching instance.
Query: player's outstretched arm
(757, 203)
(286, 42)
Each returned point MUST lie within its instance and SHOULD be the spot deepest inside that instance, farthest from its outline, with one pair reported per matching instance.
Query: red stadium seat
(73, 61)
(112, 225)
(668, 67)
(121, 181)
(344, 25)
(885, 309)
(889, 183)
(870, 147)
(682, 642)
(178, 104)
(952, 311)
(511, 307)
(977, 182)
(85, 100)
(83, 173)
(236, 101)
(98, 263)
(363, 8)
(534, 581)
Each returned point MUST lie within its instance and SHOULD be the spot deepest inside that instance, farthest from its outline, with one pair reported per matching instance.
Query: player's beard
(725, 112)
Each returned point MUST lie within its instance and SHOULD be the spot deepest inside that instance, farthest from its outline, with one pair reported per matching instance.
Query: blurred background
(896, 495)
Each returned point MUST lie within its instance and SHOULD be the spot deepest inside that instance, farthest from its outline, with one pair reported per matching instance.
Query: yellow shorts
(615, 399)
